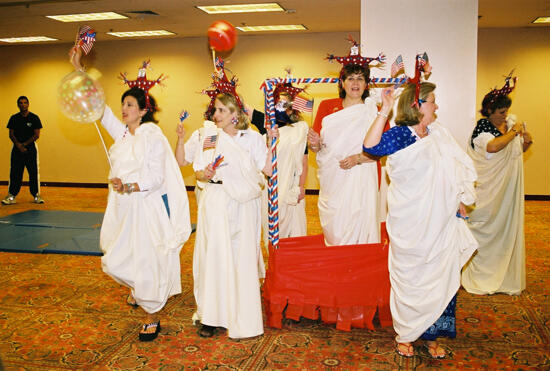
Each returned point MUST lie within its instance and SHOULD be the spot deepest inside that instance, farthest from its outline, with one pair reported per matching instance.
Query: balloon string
(104, 147)
(214, 59)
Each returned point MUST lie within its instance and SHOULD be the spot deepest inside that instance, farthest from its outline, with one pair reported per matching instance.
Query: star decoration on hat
(354, 57)
(286, 87)
(505, 90)
(141, 81)
(221, 84)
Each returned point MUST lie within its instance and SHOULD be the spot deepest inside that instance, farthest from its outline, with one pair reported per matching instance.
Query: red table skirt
(346, 284)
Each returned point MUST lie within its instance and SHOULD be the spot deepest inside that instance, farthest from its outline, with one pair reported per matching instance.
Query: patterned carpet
(60, 312)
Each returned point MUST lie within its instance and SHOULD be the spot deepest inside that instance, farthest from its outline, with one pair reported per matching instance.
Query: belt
(215, 182)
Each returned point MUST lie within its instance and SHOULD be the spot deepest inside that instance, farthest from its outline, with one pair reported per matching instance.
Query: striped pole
(273, 191)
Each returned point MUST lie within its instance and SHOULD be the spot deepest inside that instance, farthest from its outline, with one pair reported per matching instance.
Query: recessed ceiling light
(87, 17)
(284, 27)
(28, 39)
(241, 8)
(542, 20)
(141, 33)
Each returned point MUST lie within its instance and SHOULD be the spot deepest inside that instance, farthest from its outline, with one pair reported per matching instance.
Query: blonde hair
(407, 115)
(230, 102)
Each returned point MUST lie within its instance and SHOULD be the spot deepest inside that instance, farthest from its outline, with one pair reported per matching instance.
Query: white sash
(348, 199)
(428, 243)
(497, 222)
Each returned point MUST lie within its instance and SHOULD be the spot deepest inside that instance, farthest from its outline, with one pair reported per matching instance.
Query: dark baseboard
(537, 197)
(191, 188)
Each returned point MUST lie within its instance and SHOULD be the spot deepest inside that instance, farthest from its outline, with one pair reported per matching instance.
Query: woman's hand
(314, 140)
(302, 194)
(209, 172)
(74, 56)
(180, 131)
(462, 211)
(273, 133)
(117, 184)
(388, 99)
(350, 161)
(517, 128)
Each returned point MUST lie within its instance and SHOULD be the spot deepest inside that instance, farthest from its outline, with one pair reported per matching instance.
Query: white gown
(428, 243)
(141, 243)
(227, 260)
(290, 154)
(497, 220)
(348, 198)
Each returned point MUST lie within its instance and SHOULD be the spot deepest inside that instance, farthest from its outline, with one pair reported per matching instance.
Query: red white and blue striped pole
(273, 191)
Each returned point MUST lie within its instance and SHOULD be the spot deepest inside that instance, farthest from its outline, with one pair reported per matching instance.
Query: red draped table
(347, 285)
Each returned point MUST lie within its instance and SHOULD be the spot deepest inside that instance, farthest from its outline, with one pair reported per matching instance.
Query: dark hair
(22, 97)
(141, 98)
(349, 70)
(488, 104)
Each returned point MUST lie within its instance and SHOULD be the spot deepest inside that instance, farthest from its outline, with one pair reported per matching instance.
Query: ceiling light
(241, 8)
(284, 27)
(542, 20)
(141, 33)
(28, 39)
(87, 17)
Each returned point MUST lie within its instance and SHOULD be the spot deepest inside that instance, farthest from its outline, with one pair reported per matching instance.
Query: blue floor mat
(51, 231)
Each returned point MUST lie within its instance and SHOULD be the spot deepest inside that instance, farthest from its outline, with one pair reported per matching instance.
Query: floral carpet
(60, 312)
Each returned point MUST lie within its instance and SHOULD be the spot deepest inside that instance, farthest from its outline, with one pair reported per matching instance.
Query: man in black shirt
(24, 131)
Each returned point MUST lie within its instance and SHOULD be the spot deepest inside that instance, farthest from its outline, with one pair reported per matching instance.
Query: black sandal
(207, 331)
(149, 336)
(131, 301)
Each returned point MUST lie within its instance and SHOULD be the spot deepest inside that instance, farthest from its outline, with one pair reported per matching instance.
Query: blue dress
(393, 140)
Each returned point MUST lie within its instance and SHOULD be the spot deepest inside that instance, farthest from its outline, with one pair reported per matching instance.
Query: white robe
(497, 220)
(141, 244)
(227, 260)
(290, 154)
(428, 243)
(348, 199)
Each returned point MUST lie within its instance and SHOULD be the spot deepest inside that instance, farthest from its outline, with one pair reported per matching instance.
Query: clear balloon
(80, 97)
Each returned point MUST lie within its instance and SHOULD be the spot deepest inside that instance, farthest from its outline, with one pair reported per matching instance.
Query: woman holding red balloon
(227, 260)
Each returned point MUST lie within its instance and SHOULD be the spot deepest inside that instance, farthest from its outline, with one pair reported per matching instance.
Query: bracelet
(129, 188)
(383, 114)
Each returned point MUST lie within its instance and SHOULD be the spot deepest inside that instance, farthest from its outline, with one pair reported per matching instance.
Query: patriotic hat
(421, 66)
(491, 96)
(354, 57)
(286, 87)
(142, 82)
(221, 84)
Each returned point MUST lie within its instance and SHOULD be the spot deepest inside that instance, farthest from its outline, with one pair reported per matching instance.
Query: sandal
(405, 349)
(131, 301)
(149, 336)
(206, 331)
(435, 350)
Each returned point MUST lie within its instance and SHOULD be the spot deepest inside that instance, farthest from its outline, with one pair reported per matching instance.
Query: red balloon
(222, 36)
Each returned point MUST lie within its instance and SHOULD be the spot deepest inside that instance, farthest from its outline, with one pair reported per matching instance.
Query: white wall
(447, 31)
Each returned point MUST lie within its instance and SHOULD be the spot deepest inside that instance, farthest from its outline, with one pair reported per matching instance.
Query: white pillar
(447, 31)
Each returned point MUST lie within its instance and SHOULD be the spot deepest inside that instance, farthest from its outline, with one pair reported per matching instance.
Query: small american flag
(183, 115)
(86, 38)
(422, 59)
(209, 142)
(302, 104)
(397, 66)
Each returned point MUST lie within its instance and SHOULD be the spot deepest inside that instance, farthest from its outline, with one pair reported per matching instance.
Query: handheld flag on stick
(302, 104)
(217, 162)
(85, 38)
(183, 115)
